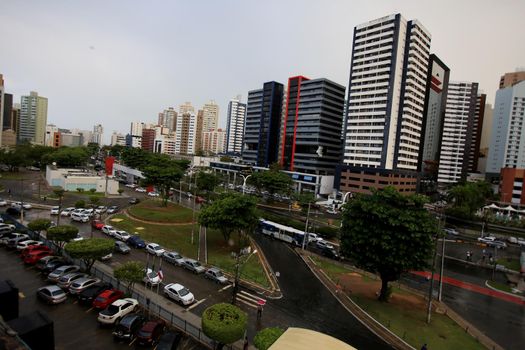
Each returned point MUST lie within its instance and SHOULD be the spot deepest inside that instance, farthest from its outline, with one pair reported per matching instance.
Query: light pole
(244, 178)
(238, 267)
(431, 287)
(442, 261)
(194, 200)
(305, 239)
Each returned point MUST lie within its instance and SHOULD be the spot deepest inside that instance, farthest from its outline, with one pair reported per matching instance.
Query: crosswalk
(250, 299)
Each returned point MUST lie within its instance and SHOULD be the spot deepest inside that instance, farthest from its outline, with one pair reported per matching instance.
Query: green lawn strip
(501, 286)
(151, 210)
(408, 323)
(512, 264)
(171, 237)
(13, 176)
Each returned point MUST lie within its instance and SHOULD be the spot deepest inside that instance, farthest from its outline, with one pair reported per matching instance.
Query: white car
(79, 217)
(322, 244)
(154, 248)
(3, 202)
(121, 235)
(521, 242)
(109, 230)
(19, 205)
(117, 310)
(89, 212)
(106, 257)
(179, 293)
(101, 209)
(55, 210)
(151, 278)
(140, 189)
(131, 185)
(67, 211)
(488, 239)
(24, 244)
(153, 194)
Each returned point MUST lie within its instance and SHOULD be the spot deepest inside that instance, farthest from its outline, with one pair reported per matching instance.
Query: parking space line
(89, 310)
(195, 304)
(134, 339)
(224, 288)
(21, 295)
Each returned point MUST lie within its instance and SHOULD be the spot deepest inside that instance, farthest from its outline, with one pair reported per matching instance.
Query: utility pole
(442, 261)
(22, 201)
(431, 287)
(305, 239)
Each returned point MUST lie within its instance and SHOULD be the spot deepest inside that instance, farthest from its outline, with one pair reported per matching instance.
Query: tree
(163, 178)
(467, 198)
(67, 156)
(265, 338)
(207, 181)
(273, 181)
(224, 323)
(130, 272)
(387, 233)
(229, 214)
(94, 201)
(39, 225)
(304, 199)
(89, 250)
(62, 234)
(80, 204)
(226, 159)
(120, 191)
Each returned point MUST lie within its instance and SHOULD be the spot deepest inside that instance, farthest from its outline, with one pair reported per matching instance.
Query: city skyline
(128, 71)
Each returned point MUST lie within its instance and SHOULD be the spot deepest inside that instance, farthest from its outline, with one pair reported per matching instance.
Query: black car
(14, 212)
(52, 265)
(169, 341)
(331, 253)
(128, 327)
(87, 296)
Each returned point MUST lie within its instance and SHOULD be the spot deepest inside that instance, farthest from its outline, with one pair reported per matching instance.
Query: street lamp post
(238, 266)
(244, 178)
(442, 261)
(305, 239)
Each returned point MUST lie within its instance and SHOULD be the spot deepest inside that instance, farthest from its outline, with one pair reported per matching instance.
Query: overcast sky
(113, 62)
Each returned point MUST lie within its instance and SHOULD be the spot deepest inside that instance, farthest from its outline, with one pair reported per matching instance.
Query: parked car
(112, 210)
(13, 242)
(66, 280)
(6, 228)
(118, 309)
(19, 205)
(121, 247)
(89, 212)
(512, 240)
(33, 257)
(51, 294)
(79, 217)
(331, 253)
(97, 224)
(81, 284)
(128, 327)
(497, 244)
(33, 249)
(216, 275)
(486, 239)
(136, 242)
(52, 265)
(106, 298)
(154, 248)
(131, 185)
(133, 200)
(87, 296)
(21, 245)
(55, 210)
(109, 230)
(61, 271)
(179, 293)
(153, 194)
(40, 264)
(106, 257)
(193, 265)
(67, 211)
(121, 235)
(3, 202)
(140, 190)
(322, 244)
(169, 341)
(450, 231)
(101, 209)
(521, 242)
(14, 212)
(150, 332)
(151, 277)
(173, 257)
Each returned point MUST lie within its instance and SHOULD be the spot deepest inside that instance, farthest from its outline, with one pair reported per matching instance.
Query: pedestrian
(259, 312)
(9, 192)
(424, 347)
(45, 198)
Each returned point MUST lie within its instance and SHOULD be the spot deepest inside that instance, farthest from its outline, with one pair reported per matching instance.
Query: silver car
(66, 280)
(216, 275)
(61, 271)
(51, 294)
(193, 265)
(173, 257)
(80, 284)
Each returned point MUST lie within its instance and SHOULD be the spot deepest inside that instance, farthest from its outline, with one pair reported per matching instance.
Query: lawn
(501, 286)
(405, 314)
(513, 264)
(152, 210)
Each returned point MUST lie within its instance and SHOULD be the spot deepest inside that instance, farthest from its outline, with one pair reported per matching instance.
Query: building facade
(477, 131)
(509, 79)
(2, 107)
(214, 141)
(168, 119)
(185, 134)
(390, 59)
(148, 139)
(98, 132)
(507, 141)
(118, 139)
(210, 116)
(135, 135)
(33, 119)
(186, 107)
(263, 125)
(457, 132)
(511, 187)
(235, 126)
(310, 141)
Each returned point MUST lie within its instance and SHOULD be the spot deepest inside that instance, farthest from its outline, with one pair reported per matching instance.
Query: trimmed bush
(265, 338)
(80, 204)
(224, 323)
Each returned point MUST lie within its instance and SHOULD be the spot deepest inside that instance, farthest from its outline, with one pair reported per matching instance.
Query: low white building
(72, 179)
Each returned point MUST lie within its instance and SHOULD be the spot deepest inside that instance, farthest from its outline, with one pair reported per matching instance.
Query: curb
(501, 291)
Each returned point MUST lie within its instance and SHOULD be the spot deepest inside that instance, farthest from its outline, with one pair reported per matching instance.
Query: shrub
(265, 338)
(224, 323)
(80, 204)
(92, 190)
(80, 190)
(328, 232)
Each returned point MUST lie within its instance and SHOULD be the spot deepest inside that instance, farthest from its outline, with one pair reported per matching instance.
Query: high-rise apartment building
(135, 135)
(263, 125)
(148, 139)
(507, 141)
(477, 130)
(186, 107)
(98, 132)
(310, 141)
(118, 139)
(456, 140)
(235, 125)
(52, 138)
(168, 119)
(199, 127)
(390, 58)
(214, 141)
(185, 134)
(33, 119)
(210, 116)
(433, 116)
(8, 112)
(2, 108)
(509, 79)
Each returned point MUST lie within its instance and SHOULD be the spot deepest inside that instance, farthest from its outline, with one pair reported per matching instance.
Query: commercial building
(235, 126)
(509, 79)
(210, 116)
(7, 110)
(433, 117)
(507, 141)
(185, 134)
(390, 59)
(511, 187)
(312, 125)
(457, 134)
(98, 132)
(72, 179)
(52, 138)
(214, 141)
(33, 119)
(263, 125)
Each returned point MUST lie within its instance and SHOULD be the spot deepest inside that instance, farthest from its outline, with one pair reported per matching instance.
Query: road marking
(30, 268)
(21, 295)
(195, 304)
(249, 299)
(89, 310)
(224, 288)
(132, 341)
(75, 302)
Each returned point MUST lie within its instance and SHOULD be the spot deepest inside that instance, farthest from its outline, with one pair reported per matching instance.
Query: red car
(107, 297)
(33, 257)
(33, 248)
(97, 224)
(150, 333)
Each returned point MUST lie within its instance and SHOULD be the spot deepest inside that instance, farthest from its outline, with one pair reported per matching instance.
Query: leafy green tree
(387, 233)
(120, 191)
(265, 338)
(67, 156)
(92, 190)
(89, 250)
(233, 213)
(273, 181)
(62, 234)
(224, 323)
(467, 198)
(130, 272)
(304, 198)
(163, 178)
(93, 148)
(13, 159)
(80, 189)
(226, 159)
(94, 201)
(135, 157)
(80, 204)
(39, 225)
(207, 181)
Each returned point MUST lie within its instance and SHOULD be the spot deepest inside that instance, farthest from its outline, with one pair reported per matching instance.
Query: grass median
(404, 314)
(152, 210)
